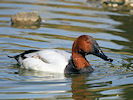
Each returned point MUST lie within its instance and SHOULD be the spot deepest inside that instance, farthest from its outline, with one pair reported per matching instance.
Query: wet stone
(26, 18)
(117, 5)
(113, 2)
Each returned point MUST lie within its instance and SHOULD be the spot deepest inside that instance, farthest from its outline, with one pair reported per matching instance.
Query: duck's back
(50, 60)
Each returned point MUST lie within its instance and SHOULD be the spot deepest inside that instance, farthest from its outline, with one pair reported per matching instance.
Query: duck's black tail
(15, 57)
(22, 56)
(10, 56)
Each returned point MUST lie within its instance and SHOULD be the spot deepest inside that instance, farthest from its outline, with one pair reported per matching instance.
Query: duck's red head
(84, 45)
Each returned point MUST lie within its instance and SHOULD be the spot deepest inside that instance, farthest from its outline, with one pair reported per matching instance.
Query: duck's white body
(49, 60)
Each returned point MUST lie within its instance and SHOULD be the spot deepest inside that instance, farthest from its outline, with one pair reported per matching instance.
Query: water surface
(65, 20)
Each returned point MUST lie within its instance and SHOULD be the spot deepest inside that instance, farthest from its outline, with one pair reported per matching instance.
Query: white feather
(49, 60)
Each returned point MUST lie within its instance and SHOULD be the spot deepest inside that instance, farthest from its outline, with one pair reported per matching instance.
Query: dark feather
(22, 55)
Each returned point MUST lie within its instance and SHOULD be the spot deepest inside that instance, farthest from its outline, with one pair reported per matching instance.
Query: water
(65, 20)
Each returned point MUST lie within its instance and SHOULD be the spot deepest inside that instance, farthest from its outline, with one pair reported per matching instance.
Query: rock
(118, 2)
(26, 18)
(118, 5)
(115, 5)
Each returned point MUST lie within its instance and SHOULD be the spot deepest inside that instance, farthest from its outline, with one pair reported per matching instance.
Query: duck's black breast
(71, 69)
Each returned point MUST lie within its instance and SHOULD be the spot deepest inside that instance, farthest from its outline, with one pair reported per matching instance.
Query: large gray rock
(26, 18)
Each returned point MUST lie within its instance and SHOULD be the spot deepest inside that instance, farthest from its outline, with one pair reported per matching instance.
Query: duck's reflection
(80, 88)
(40, 75)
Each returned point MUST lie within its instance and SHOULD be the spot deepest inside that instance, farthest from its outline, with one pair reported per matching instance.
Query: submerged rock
(26, 18)
(125, 5)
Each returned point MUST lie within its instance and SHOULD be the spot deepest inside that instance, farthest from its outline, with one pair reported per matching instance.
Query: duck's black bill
(98, 52)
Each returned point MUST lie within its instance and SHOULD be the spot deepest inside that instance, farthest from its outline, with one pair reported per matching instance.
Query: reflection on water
(65, 20)
(80, 89)
(127, 27)
(26, 27)
(127, 93)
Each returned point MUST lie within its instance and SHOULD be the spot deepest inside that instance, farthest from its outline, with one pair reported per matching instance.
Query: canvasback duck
(59, 61)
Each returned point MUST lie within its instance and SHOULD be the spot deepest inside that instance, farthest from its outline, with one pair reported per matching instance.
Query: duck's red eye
(87, 40)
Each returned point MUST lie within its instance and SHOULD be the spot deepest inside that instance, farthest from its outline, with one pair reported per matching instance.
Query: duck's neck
(79, 60)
